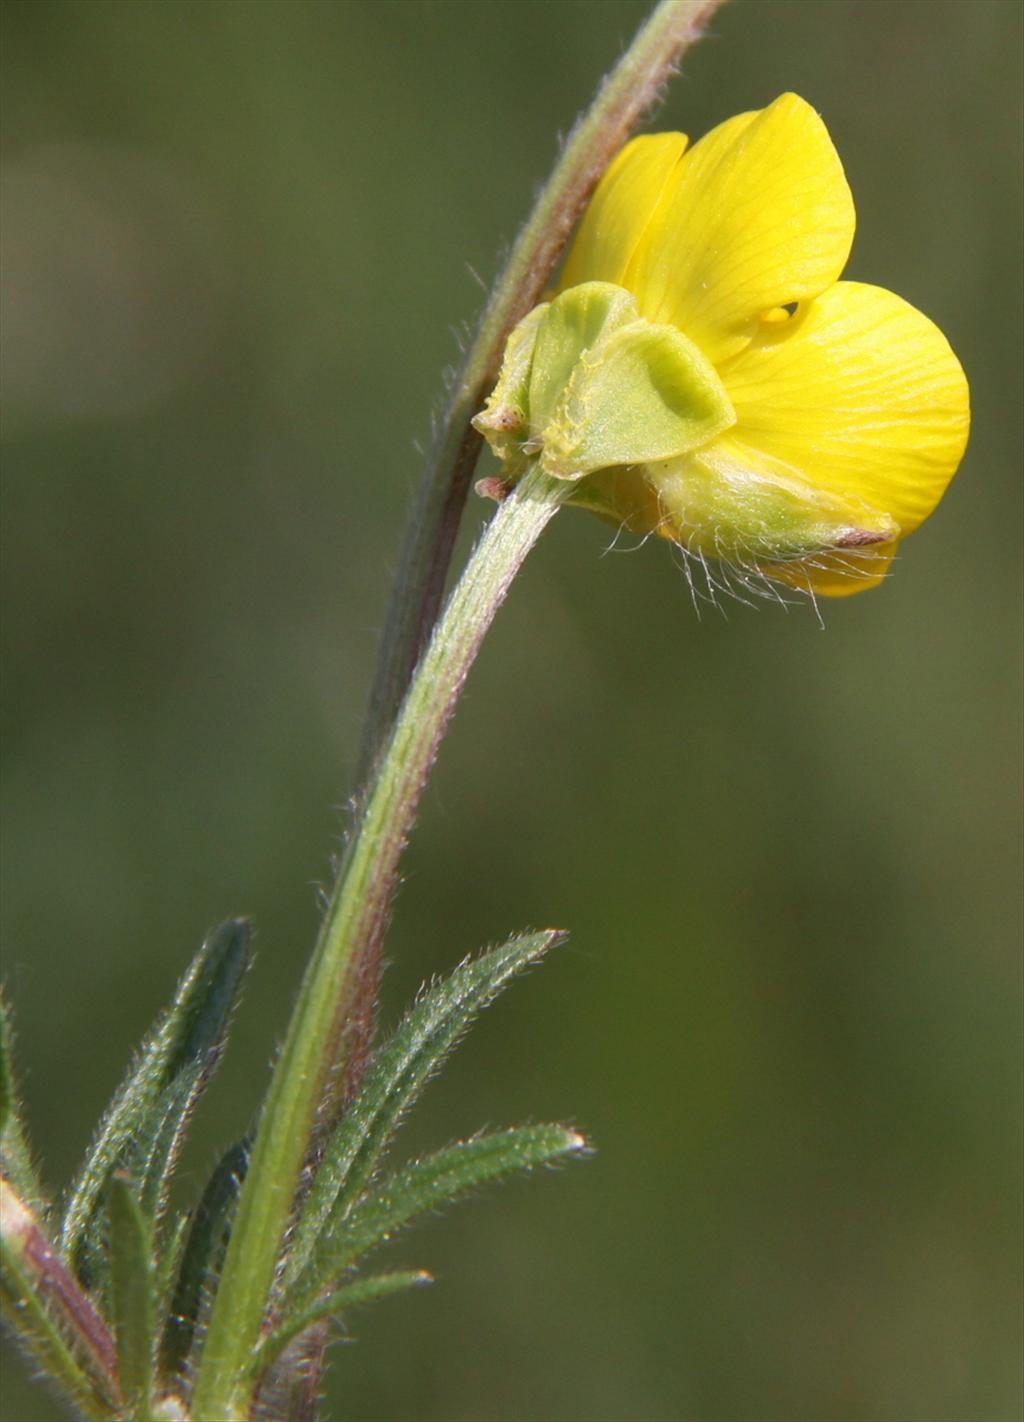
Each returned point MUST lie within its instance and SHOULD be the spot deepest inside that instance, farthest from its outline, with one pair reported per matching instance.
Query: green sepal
(396, 1075)
(575, 328)
(643, 393)
(201, 1259)
(143, 1127)
(339, 1301)
(422, 1186)
(15, 1155)
(133, 1289)
(505, 417)
(720, 507)
(606, 389)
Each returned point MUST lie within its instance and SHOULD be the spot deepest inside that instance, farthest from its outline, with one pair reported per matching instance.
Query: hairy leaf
(143, 1126)
(396, 1075)
(155, 1149)
(132, 1293)
(15, 1156)
(423, 1186)
(201, 1259)
(359, 1291)
(169, 1252)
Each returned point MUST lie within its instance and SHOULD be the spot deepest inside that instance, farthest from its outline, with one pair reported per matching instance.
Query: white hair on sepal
(721, 564)
(623, 527)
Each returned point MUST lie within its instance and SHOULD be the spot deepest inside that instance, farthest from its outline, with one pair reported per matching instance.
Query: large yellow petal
(626, 201)
(860, 396)
(757, 215)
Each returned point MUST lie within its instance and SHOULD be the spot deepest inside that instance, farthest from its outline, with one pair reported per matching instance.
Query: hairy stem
(357, 910)
(622, 101)
(623, 98)
(50, 1313)
(323, 1050)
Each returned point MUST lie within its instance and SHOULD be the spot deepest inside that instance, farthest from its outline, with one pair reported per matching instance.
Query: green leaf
(156, 1148)
(132, 1294)
(423, 1186)
(396, 1075)
(15, 1156)
(169, 1252)
(7, 1093)
(360, 1291)
(143, 1127)
(201, 1260)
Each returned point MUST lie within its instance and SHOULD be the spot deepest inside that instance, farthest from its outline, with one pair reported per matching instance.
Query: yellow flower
(704, 374)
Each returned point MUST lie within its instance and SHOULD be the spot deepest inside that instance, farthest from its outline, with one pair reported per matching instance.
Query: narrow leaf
(15, 1156)
(169, 1252)
(397, 1074)
(171, 1068)
(423, 1186)
(360, 1291)
(156, 1148)
(132, 1292)
(201, 1260)
(7, 1098)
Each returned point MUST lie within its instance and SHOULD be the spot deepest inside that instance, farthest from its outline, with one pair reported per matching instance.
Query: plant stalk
(52, 1314)
(355, 916)
(623, 99)
(329, 1023)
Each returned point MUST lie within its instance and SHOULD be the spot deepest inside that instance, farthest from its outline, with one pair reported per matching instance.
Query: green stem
(400, 746)
(358, 907)
(50, 1313)
(623, 99)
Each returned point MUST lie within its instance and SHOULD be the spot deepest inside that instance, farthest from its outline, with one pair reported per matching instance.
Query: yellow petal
(836, 574)
(757, 215)
(626, 200)
(860, 396)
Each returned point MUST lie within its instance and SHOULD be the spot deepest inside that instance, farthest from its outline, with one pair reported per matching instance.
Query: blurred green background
(239, 237)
